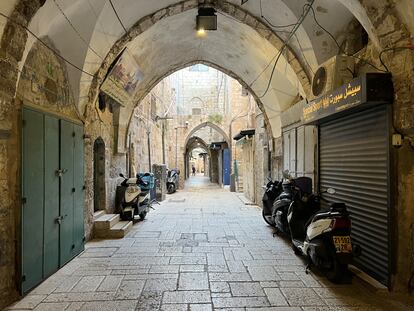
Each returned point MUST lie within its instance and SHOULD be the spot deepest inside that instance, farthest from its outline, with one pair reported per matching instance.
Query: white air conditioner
(332, 74)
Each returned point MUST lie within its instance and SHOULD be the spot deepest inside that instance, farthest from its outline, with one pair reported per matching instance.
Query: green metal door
(78, 227)
(51, 205)
(53, 195)
(33, 202)
(67, 191)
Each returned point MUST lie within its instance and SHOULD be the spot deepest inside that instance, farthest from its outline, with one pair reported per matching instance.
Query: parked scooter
(135, 201)
(323, 235)
(272, 191)
(293, 189)
(173, 179)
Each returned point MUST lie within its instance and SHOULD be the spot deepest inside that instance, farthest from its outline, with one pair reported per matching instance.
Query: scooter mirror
(331, 190)
(178, 172)
(122, 175)
(285, 174)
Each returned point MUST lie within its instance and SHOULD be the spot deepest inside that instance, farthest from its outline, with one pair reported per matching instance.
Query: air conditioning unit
(332, 74)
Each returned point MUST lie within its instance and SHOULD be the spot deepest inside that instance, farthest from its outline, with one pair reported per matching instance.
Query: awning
(218, 145)
(243, 133)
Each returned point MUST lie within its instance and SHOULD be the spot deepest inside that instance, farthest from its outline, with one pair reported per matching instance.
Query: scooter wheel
(171, 189)
(296, 250)
(142, 215)
(338, 272)
(267, 220)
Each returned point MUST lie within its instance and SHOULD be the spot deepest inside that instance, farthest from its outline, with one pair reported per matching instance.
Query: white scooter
(135, 201)
(323, 236)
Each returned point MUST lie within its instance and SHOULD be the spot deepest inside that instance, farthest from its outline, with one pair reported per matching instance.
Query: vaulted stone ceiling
(85, 31)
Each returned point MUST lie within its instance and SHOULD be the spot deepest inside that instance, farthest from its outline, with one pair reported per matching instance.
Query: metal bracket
(60, 172)
(59, 220)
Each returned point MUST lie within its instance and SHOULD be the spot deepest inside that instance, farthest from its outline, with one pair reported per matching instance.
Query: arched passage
(48, 20)
(215, 127)
(217, 147)
(194, 143)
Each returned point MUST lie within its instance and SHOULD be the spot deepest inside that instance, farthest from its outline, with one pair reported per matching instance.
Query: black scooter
(323, 236)
(272, 191)
(293, 189)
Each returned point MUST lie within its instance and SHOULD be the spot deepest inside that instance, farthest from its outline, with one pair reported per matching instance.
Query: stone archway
(208, 124)
(99, 187)
(193, 143)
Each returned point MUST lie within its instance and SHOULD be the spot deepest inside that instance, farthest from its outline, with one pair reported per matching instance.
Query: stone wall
(144, 120)
(394, 31)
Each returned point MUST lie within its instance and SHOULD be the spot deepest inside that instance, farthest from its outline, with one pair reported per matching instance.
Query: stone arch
(208, 124)
(236, 12)
(217, 67)
(189, 147)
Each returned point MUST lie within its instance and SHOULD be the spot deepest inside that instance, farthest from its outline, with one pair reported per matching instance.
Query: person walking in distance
(193, 169)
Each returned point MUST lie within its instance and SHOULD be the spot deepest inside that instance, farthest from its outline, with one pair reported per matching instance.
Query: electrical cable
(100, 24)
(408, 47)
(76, 31)
(340, 49)
(45, 45)
(306, 9)
(117, 16)
(303, 53)
(270, 23)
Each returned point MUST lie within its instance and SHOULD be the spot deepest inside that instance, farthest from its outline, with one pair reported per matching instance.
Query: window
(196, 111)
(199, 68)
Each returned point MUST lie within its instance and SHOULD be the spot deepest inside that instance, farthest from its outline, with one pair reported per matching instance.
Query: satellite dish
(319, 81)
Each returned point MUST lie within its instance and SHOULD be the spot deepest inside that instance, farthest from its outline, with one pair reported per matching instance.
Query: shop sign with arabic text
(345, 97)
(368, 89)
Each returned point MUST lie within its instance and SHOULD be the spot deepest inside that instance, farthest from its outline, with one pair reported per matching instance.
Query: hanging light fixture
(206, 20)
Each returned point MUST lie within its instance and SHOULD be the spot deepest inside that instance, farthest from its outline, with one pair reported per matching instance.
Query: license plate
(342, 244)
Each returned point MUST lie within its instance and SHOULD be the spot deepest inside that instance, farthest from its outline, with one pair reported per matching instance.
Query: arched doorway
(99, 175)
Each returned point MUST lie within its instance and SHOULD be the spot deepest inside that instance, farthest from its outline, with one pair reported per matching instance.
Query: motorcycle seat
(337, 207)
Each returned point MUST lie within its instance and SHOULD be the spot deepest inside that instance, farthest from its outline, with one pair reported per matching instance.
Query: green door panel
(78, 229)
(51, 211)
(66, 191)
(32, 184)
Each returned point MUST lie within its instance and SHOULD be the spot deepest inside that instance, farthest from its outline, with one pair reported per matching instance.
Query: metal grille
(354, 159)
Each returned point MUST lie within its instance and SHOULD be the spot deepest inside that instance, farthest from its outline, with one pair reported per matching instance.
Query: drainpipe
(163, 142)
(149, 149)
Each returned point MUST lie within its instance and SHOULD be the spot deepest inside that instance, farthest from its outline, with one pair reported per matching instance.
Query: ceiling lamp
(206, 20)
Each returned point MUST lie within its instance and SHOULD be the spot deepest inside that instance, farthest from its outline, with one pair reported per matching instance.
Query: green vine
(215, 118)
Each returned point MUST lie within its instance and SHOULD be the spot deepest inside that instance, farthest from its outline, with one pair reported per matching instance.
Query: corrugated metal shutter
(354, 159)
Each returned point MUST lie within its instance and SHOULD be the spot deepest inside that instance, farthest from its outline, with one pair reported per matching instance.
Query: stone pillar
(160, 174)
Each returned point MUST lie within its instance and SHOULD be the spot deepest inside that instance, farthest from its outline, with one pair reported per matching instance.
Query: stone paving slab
(207, 252)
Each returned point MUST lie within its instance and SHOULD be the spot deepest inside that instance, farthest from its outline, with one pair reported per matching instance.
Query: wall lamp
(206, 20)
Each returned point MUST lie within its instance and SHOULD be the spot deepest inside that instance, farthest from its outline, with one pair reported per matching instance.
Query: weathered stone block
(160, 174)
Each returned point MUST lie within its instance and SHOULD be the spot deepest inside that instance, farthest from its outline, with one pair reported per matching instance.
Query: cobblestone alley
(202, 249)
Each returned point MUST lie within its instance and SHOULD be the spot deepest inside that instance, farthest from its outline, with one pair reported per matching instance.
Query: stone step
(98, 214)
(120, 229)
(105, 222)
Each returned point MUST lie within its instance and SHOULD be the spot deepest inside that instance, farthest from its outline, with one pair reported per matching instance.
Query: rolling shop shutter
(354, 159)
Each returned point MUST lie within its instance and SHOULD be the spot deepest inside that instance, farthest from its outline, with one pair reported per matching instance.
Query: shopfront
(354, 129)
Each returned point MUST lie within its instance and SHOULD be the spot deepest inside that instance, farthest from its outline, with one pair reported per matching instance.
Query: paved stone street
(201, 250)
